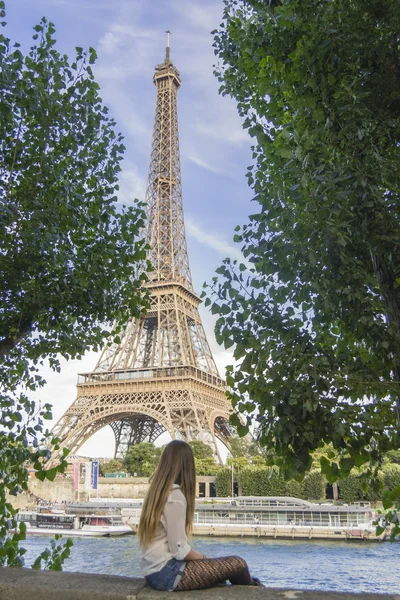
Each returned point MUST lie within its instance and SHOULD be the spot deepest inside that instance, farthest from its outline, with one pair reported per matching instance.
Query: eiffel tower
(161, 376)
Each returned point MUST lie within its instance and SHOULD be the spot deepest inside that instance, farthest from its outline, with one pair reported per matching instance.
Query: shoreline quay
(21, 583)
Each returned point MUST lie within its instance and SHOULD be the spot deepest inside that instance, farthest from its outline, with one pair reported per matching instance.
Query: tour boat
(70, 525)
(277, 517)
(284, 517)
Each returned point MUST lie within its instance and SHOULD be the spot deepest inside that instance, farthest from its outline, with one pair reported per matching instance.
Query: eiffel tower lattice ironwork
(162, 375)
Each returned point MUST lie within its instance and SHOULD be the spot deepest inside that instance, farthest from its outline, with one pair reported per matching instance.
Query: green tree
(261, 481)
(204, 458)
(223, 483)
(206, 466)
(245, 447)
(112, 466)
(257, 481)
(326, 452)
(68, 252)
(350, 489)
(391, 474)
(142, 459)
(313, 312)
(201, 450)
(295, 489)
(239, 463)
(314, 485)
(22, 429)
(393, 456)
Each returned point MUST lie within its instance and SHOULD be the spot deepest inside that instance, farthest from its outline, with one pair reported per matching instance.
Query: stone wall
(131, 487)
(26, 584)
(52, 491)
(62, 489)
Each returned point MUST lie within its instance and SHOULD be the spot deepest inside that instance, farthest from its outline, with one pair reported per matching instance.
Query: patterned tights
(206, 572)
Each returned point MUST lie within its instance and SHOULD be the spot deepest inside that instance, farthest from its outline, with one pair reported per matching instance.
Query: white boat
(51, 523)
(277, 517)
(284, 517)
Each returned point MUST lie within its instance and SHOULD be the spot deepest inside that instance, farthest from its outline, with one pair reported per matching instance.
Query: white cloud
(130, 47)
(83, 4)
(127, 115)
(201, 16)
(224, 129)
(133, 45)
(214, 241)
(132, 184)
(201, 163)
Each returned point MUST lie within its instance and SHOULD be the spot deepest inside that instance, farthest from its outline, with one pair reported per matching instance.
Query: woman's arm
(175, 518)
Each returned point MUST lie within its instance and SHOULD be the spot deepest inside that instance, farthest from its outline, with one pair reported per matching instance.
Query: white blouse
(170, 539)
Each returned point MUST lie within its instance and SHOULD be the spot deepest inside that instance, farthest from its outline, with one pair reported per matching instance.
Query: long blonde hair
(176, 466)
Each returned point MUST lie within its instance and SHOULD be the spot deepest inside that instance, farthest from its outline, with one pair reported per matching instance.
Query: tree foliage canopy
(206, 466)
(245, 447)
(201, 450)
(142, 459)
(112, 466)
(313, 312)
(204, 458)
(68, 255)
(68, 251)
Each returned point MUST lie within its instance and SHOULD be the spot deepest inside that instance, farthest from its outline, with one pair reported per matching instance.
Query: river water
(317, 565)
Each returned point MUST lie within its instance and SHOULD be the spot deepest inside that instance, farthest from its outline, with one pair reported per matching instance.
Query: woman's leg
(204, 573)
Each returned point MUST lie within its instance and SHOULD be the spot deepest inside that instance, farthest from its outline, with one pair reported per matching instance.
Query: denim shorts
(168, 577)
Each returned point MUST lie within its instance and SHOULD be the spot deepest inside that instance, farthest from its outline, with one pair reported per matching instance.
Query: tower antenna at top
(168, 33)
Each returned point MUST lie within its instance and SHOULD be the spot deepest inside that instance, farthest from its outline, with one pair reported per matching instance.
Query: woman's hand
(193, 555)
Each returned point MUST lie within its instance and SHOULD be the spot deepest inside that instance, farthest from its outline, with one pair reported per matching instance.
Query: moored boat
(284, 517)
(277, 517)
(70, 525)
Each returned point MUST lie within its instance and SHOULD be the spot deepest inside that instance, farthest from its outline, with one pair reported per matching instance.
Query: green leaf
(215, 308)
(51, 473)
(16, 417)
(41, 475)
(242, 430)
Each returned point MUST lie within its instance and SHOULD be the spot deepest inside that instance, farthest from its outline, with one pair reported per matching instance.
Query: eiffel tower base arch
(185, 407)
(132, 430)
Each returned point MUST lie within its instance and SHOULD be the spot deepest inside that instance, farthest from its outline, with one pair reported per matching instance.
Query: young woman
(168, 562)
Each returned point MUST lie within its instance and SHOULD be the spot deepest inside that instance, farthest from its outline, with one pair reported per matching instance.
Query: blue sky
(129, 38)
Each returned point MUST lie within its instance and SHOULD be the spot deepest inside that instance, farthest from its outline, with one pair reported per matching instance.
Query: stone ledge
(25, 584)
